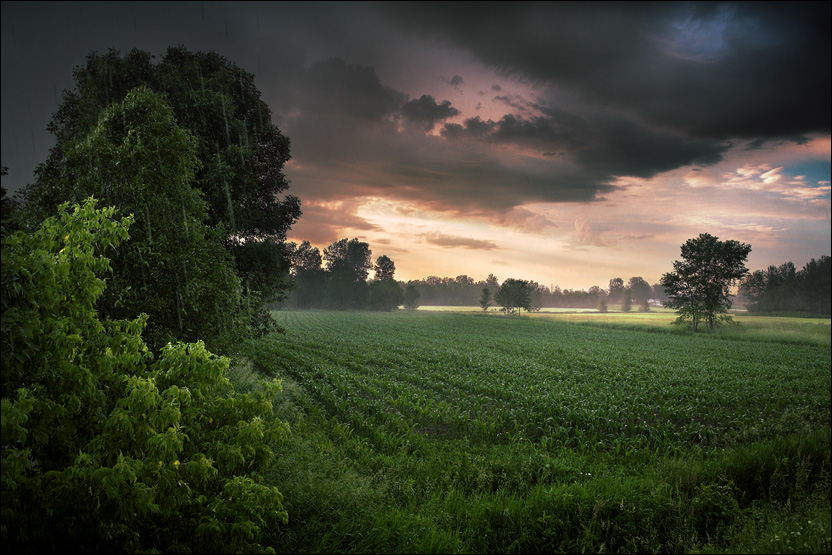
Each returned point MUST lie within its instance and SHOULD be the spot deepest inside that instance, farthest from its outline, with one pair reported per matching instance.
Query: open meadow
(454, 431)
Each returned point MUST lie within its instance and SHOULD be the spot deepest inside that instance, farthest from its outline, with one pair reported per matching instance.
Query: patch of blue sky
(818, 172)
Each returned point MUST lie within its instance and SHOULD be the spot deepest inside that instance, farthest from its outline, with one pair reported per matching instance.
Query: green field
(449, 431)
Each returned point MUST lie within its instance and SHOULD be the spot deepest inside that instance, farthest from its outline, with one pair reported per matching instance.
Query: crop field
(488, 433)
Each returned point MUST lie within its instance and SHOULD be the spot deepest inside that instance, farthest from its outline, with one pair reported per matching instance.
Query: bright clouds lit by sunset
(568, 143)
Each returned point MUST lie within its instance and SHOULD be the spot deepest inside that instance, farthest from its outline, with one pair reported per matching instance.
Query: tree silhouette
(699, 284)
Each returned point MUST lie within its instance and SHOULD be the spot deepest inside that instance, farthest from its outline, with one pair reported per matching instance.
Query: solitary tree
(514, 294)
(698, 286)
(348, 263)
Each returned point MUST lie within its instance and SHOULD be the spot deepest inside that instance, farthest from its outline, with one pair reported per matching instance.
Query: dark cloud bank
(651, 88)
(625, 90)
(713, 70)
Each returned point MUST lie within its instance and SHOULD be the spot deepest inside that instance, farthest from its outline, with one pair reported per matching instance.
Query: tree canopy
(174, 268)
(640, 290)
(385, 293)
(785, 289)
(348, 263)
(239, 152)
(698, 287)
(514, 294)
(385, 268)
(411, 297)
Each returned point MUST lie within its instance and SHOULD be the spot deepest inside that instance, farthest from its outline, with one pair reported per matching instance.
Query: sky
(565, 143)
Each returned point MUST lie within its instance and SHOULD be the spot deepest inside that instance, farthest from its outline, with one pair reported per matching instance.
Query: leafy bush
(104, 448)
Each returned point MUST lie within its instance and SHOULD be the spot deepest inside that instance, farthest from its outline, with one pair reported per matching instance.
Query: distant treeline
(464, 291)
(338, 279)
(785, 289)
(342, 283)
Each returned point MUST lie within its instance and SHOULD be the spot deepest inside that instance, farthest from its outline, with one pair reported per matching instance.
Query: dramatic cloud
(713, 70)
(340, 89)
(529, 135)
(426, 112)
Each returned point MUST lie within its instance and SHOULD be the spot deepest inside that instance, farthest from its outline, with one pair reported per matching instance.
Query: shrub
(105, 449)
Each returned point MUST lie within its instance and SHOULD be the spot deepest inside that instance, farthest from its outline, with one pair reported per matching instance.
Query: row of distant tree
(338, 279)
(784, 288)
(464, 291)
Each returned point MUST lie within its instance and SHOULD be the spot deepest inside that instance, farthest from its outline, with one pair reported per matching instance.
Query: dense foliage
(104, 448)
(240, 152)
(513, 295)
(340, 284)
(343, 283)
(174, 268)
(411, 297)
(699, 284)
(785, 289)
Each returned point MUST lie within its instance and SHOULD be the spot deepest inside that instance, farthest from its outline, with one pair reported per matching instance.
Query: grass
(448, 432)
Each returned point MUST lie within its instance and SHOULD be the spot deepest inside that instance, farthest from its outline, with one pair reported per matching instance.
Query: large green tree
(514, 294)
(308, 275)
(241, 153)
(640, 290)
(385, 293)
(348, 263)
(698, 287)
(175, 268)
(104, 448)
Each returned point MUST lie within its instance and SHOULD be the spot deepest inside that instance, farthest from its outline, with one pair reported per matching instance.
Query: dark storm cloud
(426, 112)
(646, 88)
(458, 171)
(365, 154)
(337, 87)
(713, 70)
(627, 149)
(610, 145)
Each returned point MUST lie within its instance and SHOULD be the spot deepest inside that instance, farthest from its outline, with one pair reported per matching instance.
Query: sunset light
(562, 156)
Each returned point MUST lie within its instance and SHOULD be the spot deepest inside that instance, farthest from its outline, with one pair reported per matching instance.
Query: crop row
(494, 379)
